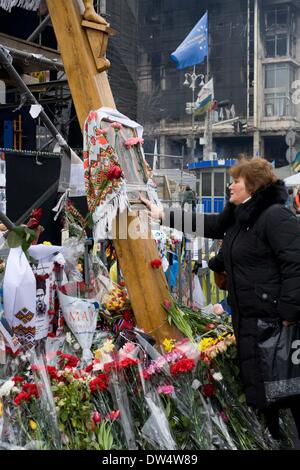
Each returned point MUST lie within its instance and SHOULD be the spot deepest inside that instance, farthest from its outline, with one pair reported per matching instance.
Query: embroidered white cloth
(19, 297)
(111, 173)
(105, 183)
(114, 115)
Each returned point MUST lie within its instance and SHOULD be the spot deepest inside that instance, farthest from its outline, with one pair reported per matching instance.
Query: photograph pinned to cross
(279, 348)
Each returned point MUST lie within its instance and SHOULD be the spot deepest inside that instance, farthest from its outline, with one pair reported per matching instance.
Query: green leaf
(19, 230)
(168, 409)
(64, 416)
(13, 239)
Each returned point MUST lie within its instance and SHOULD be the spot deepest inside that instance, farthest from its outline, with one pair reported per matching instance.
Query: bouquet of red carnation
(35, 218)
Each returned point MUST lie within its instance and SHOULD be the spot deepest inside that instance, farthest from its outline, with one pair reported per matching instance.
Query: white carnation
(6, 388)
(218, 376)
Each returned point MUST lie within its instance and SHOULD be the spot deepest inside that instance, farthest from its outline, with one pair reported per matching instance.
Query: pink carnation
(92, 116)
(116, 125)
(113, 415)
(128, 347)
(133, 141)
(102, 131)
(165, 389)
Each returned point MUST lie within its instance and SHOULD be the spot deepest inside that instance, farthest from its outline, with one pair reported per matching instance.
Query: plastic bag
(280, 358)
(81, 317)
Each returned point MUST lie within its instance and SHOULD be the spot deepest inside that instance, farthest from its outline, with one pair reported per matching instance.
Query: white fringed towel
(26, 4)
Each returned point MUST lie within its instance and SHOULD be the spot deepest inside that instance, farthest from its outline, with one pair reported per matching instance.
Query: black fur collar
(248, 213)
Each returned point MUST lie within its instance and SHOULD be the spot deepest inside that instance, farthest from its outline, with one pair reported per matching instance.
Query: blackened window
(277, 45)
(277, 18)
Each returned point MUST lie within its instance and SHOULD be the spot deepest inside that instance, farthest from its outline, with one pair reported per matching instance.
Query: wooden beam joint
(97, 35)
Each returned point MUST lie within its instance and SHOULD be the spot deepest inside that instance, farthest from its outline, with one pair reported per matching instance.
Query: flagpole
(193, 115)
(190, 52)
(208, 117)
(207, 59)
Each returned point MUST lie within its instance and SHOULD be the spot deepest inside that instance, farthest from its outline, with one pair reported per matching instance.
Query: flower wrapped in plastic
(29, 415)
(110, 395)
(176, 375)
(145, 416)
(225, 394)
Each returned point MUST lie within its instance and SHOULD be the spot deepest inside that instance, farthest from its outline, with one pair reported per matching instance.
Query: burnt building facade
(254, 58)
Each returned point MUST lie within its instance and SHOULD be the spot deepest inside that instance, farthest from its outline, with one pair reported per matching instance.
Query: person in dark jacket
(261, 254)
(189, 197)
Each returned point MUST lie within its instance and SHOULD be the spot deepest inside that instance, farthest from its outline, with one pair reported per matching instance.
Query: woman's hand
(155, 212)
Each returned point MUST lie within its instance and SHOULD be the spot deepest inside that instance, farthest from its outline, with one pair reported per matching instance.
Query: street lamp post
(190, 81)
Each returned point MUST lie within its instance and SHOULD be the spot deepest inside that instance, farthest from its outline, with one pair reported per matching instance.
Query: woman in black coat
(261, 256)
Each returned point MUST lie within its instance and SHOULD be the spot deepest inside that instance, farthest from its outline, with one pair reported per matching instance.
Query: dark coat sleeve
(283, 235)
(203, 225)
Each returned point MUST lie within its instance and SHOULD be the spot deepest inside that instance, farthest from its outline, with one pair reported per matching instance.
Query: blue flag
(194, 48)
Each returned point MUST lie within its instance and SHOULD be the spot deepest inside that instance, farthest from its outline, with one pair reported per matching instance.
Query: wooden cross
(83, 46)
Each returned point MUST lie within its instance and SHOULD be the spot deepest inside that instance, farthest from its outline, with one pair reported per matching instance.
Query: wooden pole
(90, 90)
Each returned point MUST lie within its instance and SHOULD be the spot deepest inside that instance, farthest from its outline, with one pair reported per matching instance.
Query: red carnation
(208, 390)
(37, 213)
(108, 366)
(167, 304)
(127, 362)
(146, 375)
(182, 366)
(35, 218)
(127, 315)
(30, 389)
(53, 372)
(18, 378)
(96, 417)
(114, 173)
(67, 360)
(89, 368)
(33, 223)
(99, 383)
(20, 397)
(155, 263)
